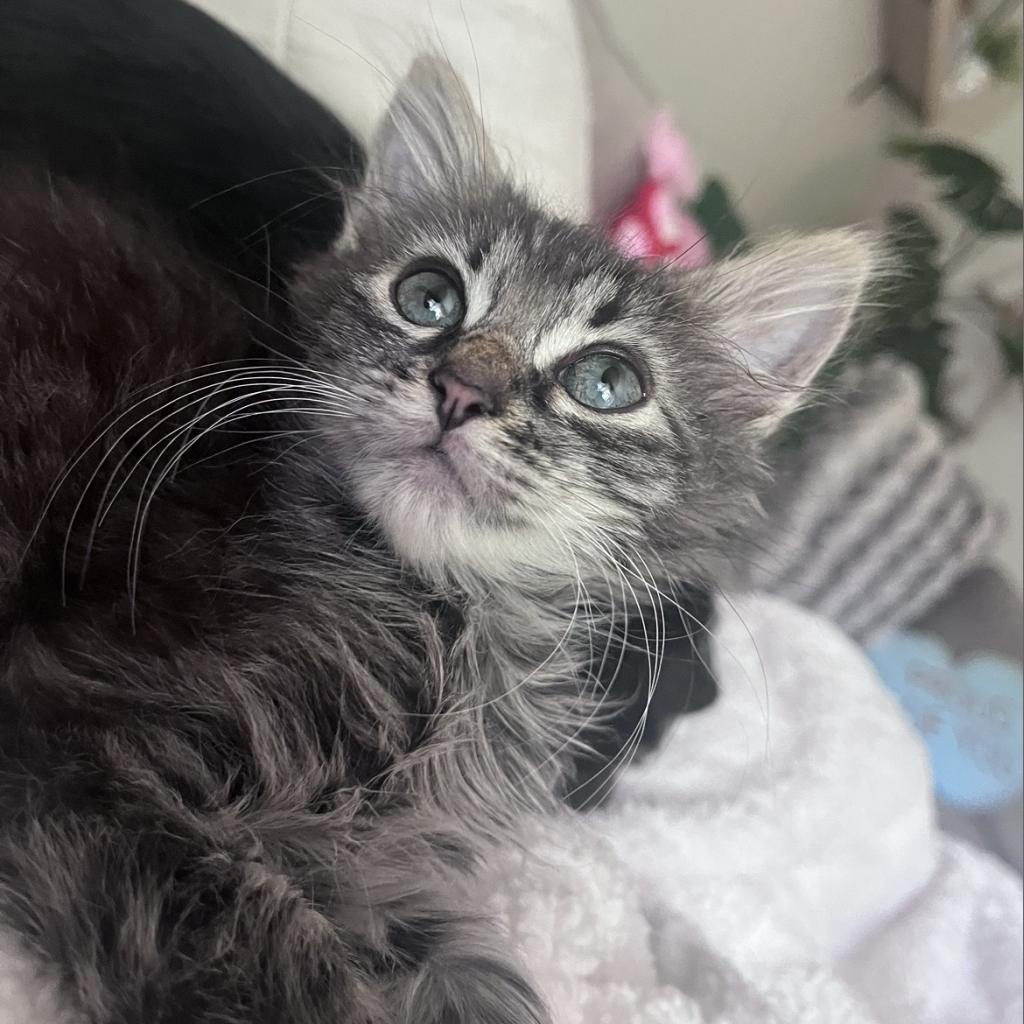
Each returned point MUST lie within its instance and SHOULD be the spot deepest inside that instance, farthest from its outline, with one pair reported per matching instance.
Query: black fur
(154, 99)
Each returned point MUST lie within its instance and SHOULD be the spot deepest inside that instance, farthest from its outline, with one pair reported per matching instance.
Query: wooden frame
(918, 38)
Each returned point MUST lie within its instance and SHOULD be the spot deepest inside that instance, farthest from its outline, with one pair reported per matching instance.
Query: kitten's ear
(785, 307)
(430, 135)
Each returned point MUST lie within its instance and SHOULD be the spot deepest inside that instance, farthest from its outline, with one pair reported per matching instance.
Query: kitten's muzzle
(474, 380)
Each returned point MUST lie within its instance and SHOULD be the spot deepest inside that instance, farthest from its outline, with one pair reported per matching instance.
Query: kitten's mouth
(450, 470)
(441, 471)
(441, 456)
(438, 494)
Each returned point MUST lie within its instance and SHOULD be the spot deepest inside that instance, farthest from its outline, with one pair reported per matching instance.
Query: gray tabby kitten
(289, 642)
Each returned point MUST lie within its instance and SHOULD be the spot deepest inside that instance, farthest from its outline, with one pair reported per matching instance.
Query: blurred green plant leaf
(1000, 49)
(916, 284)
(1001, 215)
(971, 186)
(1013, 352)
(713, 209)
(908, 325)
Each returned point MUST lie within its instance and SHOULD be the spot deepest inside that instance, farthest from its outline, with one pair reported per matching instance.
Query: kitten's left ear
(785, 307)
(430, 136)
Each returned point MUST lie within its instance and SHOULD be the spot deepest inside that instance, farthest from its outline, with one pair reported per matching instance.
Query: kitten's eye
(603, 381)
(430, 298)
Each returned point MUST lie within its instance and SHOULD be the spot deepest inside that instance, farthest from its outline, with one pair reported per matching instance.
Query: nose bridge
(483, 361)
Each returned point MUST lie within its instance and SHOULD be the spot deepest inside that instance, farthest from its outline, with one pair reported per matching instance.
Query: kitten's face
(549, 408)
(521, 398)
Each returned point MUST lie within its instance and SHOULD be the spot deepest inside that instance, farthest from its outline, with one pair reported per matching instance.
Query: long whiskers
(581, 725)
(654, 649)
(254, 406)
(231, 379)
(246, 392)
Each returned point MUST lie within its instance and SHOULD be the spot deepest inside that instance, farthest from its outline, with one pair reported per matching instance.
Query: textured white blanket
(775, 862)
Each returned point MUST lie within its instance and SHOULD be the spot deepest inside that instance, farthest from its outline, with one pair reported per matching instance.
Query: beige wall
(762, 90)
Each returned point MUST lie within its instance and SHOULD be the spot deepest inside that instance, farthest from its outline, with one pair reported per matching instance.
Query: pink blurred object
(669, 159)
(654, 226)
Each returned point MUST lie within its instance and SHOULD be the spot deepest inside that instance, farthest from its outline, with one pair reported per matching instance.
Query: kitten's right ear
(430, 135)
(783, 308)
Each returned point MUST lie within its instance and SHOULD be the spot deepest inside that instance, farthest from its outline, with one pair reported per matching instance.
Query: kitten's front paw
(472, 990)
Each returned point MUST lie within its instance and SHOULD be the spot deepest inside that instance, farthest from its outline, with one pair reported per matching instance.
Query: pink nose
(459, 401)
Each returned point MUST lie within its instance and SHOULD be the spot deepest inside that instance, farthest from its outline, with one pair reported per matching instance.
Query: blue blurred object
(970, 713)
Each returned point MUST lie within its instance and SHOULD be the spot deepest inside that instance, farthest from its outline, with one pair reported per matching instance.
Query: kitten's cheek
(389, 426)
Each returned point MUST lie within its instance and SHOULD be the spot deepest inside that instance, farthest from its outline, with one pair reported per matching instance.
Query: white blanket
(775, 862)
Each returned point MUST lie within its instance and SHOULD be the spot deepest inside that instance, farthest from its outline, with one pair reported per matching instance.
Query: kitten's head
(524, 400)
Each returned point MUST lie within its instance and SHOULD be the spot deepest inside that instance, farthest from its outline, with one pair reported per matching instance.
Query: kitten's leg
(463, 978)
(151, 927)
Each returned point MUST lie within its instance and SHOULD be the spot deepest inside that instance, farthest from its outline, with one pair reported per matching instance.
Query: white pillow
(521, 61)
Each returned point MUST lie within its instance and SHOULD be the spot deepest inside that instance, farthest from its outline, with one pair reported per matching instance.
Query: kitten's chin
(436, 524)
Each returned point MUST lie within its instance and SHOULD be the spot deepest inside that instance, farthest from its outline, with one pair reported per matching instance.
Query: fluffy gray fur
(249, 754)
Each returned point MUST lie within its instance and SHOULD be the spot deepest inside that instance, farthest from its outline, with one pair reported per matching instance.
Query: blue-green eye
(430, 298)
(603, 381)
